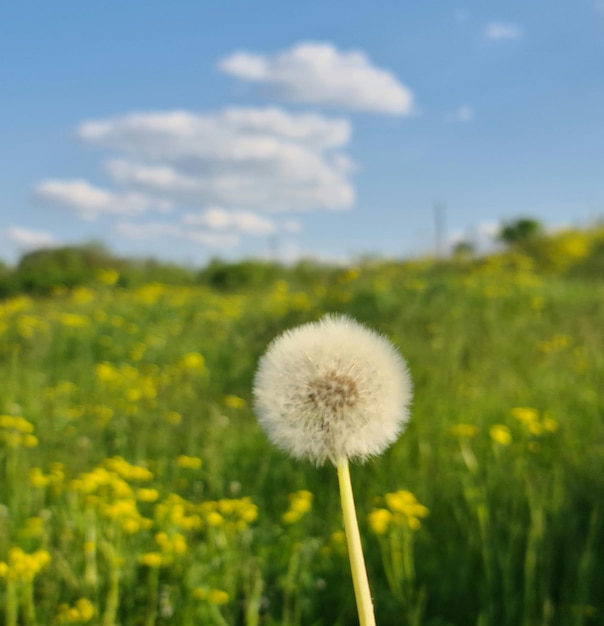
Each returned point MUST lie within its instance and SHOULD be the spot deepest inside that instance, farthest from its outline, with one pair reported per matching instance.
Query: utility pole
(439, 229)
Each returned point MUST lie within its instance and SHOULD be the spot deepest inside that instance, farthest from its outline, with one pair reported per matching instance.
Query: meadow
(137, 489)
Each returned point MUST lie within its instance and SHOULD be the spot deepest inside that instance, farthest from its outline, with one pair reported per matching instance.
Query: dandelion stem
(355, 549)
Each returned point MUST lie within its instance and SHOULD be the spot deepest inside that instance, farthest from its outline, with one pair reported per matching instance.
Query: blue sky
(194, 129)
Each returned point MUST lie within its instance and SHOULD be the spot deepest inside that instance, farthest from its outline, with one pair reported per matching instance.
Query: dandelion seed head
(332, 390)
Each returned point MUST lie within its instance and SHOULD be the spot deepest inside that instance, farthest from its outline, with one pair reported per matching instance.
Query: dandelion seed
(332, 390)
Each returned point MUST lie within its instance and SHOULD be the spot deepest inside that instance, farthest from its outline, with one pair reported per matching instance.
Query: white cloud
(495, 31)
(214, 227)
(319, 73)
(257, 159)
(27, 239)
(292, 226)
(175, 135)
(244, 222)
(153, 231)
(289, 252)
(90, 202)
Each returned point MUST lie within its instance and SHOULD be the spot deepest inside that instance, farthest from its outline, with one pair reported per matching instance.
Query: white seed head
(332, 390)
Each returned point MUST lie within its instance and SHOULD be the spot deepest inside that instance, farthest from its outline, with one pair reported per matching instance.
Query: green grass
(514, 534)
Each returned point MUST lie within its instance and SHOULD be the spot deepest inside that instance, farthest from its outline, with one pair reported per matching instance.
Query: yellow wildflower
(233, 402)
(85, 609)
(218, 597)
(464, 431)
(526, 415)
(150, 559)
(501, 434)
(147, 495)
(215, 519)
(193, 361)
(188, 462)
(379, 520)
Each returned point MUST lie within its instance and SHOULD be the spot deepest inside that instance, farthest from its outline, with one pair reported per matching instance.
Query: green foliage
(137, 487)
(579, 253)
(520, 231)
(67, 266)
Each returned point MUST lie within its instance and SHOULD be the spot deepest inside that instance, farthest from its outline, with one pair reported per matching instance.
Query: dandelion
(334, 391)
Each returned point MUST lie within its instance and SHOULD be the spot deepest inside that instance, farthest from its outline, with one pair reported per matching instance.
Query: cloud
(214, 227)
(153, 231)
(183, 134)
(90, 202)
(27, 239)
(319, 73)
(497, 31)
(244, 222)
(463, 113)
(266, 160)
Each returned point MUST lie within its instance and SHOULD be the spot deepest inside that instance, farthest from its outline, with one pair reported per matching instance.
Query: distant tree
(521, 231)
(69, 265)
(463, 250)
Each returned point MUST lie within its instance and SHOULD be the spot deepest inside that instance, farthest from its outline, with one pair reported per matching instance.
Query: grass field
(137, 488)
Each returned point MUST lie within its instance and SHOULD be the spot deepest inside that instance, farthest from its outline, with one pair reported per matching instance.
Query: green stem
(113, 593)
(11, 603)
(153, 596)
(28, 603)
(355, 548)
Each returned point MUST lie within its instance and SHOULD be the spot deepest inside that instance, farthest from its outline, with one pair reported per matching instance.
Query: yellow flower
(399, 501)
(526, 415)
(30, 441)
(300, 502)
(248, 511)
(131, 526)
(179, 544)
(150, 559)
(214, 596)
(218, 597)
(405, 511)
(464, 431)
(37, 478)
(215, 519)
(193, 361)
(108, 277)
(379, 520)
(501, 434)
(550, 424)
(72, 320)
(233, 402)
(147, 495)
(85, 609)
(188, 462)
(291, 517)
